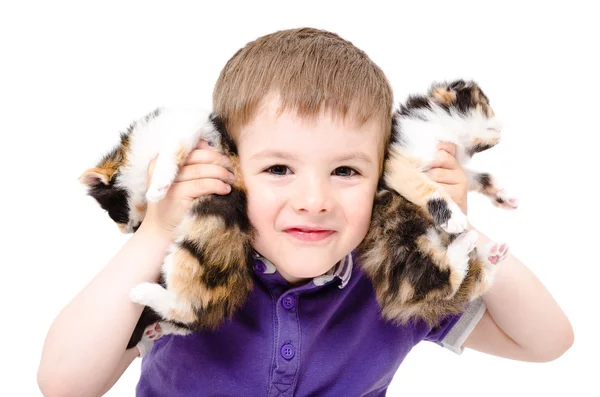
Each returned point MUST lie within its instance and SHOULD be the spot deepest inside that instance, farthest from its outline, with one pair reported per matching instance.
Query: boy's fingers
(448, 147)
(151, 166)
(197, 171)
(199, 187)
(446, 176)
(202, 144)
(204, 156)
(443, 159)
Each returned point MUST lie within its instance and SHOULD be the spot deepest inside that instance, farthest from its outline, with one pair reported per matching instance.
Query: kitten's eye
(346, 172)
(278, 170)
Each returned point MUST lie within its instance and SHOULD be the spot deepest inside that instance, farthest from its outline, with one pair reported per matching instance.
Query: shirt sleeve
(453, 330)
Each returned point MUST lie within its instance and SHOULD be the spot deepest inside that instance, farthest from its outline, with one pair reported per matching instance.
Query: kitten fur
(421, 261)
(205, 275)
(410, 251)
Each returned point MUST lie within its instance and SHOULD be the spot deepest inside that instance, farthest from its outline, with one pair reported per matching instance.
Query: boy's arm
(522, 320)
(85, 346)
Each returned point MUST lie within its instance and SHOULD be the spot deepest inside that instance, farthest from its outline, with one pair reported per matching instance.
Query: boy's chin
(304, 267)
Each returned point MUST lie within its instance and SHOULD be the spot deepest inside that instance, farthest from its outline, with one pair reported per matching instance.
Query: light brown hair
(311, 70)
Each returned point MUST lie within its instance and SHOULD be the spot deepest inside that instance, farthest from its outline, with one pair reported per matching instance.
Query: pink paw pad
(153, 331)
(498, 253)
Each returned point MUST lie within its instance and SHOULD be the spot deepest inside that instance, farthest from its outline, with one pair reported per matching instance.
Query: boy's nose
(312, 196)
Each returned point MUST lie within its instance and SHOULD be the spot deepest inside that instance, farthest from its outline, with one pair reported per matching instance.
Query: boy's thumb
(151, 166)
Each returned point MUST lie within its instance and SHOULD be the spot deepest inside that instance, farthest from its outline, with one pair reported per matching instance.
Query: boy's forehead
(290, 136)
(270, 111)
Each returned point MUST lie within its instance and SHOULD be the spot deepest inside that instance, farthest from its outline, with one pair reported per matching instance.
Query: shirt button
(287, 351)
(288, 302)
(259, 267)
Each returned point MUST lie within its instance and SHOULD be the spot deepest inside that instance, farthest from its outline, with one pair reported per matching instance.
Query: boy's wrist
(155, 232)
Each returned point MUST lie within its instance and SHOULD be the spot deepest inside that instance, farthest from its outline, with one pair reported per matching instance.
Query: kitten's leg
(484, 138)
(488, 185)
(156, 331)
(458, 255)
(165, 170)
(151, 333)
(404, 175)
(163, 302)
(186, 128)
(488, 257)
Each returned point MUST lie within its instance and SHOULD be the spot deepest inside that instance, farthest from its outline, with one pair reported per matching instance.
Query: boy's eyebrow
(290, 157)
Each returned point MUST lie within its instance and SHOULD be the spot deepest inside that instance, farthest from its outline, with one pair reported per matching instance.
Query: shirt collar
(342, 270)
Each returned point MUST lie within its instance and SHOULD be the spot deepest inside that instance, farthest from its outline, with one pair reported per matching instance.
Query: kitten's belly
(421, 140)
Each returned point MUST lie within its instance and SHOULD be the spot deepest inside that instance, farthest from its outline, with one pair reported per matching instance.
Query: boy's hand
(446, 171)
(204, 172)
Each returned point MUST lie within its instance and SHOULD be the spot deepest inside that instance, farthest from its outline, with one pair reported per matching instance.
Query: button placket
(285, 371)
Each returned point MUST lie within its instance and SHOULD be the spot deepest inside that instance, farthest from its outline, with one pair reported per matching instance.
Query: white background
(74, 75)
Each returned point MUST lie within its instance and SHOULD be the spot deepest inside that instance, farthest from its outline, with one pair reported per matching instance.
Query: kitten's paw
(157, 192)
(492, 254)
(458, 221)
(495, 252)
(153, 331)
(504, 200)
(162, 178)
(147, 294)
(459, 250)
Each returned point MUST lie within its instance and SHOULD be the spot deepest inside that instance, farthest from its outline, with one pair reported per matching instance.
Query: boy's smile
(310, 187)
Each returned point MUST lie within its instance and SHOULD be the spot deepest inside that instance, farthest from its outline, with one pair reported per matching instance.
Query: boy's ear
(94, 176)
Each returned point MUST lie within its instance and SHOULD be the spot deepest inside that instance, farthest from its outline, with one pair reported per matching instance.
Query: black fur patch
(226, 140)
(439, 210)
(457, 85)
(231, 208)
(484, 179)
(480, 147)
(213, 276)
(415, 102)
(424, 275)
(464, 101)
(112, 199)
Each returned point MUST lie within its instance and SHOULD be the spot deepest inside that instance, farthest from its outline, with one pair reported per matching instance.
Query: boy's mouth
(306, 233)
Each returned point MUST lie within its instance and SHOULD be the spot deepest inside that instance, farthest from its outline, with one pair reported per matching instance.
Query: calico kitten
(410, 251)
(457, 112)
(206, 273)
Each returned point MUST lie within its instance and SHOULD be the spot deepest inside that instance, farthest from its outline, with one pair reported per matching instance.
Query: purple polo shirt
(323, 338)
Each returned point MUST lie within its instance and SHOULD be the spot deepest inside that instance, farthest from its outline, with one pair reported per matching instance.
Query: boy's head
(311, 116)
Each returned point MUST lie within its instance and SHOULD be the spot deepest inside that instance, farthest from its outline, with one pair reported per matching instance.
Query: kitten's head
(468, 100)
(462, 96)
(103, 186)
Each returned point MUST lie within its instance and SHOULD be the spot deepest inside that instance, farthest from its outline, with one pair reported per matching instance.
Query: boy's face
(310, 188)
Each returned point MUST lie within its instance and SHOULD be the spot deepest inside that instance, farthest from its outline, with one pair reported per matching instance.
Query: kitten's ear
(95, 176)
(457, 84)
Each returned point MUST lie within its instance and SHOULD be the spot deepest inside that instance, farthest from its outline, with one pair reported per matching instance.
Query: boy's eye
(345, 171)
(281, 170)
(278, 170)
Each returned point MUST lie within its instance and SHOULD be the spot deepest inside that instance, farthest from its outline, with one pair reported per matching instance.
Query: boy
(310, 114)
